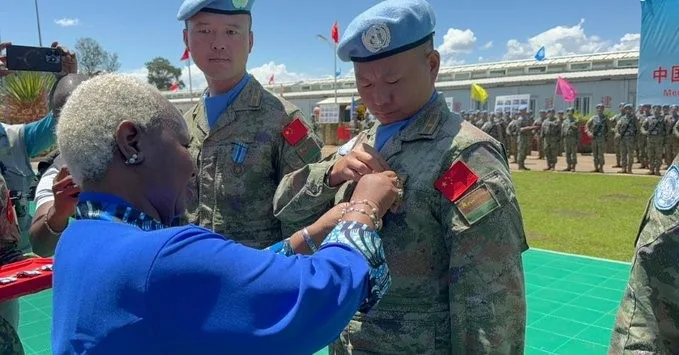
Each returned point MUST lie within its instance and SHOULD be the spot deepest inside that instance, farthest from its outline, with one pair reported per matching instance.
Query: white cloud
(488, 45)
(562, 40)
(261, 73)
(455, 43)
(67, 22)
(480, 59)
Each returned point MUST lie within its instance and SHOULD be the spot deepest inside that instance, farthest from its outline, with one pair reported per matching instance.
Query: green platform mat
(572, 302)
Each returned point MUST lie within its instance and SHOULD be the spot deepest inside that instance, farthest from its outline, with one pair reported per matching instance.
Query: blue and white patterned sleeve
(283, 247)
(368, 242)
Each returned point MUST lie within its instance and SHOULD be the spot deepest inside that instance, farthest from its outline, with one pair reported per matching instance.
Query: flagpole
(334, 52)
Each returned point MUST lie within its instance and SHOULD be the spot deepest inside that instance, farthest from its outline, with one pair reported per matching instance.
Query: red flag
(174, 86)
(271, 79)
(565, 90)
(185, 56)
(295, 131)
(334, 33)
(456, 181)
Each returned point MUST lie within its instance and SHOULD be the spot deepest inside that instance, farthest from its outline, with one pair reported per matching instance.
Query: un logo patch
(667, 192)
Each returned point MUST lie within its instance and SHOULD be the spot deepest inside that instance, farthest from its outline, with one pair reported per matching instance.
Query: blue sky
(467, 31)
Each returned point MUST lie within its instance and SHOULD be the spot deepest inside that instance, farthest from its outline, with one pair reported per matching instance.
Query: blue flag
(540, 55)
(338, 73)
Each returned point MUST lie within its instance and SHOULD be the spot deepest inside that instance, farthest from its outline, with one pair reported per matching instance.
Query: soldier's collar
(250, 98)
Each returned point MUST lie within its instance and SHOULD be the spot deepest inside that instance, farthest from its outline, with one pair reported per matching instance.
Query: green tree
(92, 57)
(161, 73)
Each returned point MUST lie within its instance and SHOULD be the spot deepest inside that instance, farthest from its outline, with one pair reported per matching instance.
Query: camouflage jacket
(457, 278)
(240, 161)
(648, 318)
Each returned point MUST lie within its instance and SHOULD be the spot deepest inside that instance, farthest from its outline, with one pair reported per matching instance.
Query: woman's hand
(381, 190)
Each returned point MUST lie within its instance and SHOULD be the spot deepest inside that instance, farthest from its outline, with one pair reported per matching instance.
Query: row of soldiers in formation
(647, 135)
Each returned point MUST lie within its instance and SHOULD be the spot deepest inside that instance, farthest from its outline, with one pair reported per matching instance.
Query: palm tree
(24, 96)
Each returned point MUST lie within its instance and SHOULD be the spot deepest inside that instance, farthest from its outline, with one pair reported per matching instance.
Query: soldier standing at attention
(626, 129)
(648, 320)
(616, 139)
(526, 130)
(538, 124)
(551, 135)
(570, 133)
(513, 134)
(597, 128)
(654, 128)
(244, 138)
(672, 141)
(454, 245)
(644, 112)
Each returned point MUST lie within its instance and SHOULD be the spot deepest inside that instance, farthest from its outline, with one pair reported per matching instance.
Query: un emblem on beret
(376, 38)
(667, 193)
(239, 4)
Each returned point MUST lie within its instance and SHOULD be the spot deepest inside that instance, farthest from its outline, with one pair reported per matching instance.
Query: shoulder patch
(456, 181)
(666, 194)
(477, 204)
(295, 131)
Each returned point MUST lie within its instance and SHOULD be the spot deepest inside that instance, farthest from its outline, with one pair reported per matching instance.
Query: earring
(132, 160)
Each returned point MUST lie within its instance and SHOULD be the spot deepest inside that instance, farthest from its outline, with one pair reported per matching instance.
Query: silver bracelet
(309, 242)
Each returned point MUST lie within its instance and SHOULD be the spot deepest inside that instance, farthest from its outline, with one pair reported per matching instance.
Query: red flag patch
(295, 131)
(456, 181)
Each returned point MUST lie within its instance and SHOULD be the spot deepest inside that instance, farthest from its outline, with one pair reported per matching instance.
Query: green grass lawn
(587, 214)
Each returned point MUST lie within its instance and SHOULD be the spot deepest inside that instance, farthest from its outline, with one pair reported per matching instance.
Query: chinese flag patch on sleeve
(295, 131)
(456, 181)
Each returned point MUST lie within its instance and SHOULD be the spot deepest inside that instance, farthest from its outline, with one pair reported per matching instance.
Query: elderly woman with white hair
(125, 282)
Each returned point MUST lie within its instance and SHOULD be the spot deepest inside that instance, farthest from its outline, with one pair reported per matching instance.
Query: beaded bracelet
(309, 242)
(377, 222)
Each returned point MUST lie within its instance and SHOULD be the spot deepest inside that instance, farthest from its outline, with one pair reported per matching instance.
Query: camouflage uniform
(493, 128)
(654, 128)
(672, 141)
(597, 127)
(616, 138)
(524, 142)
(626, 130)
(10, 343)
(457, 278)
(513, 133)
(648, 317)
(240, 162)
(551, 135)
(570, 132)
(538, 133)
(642, 152)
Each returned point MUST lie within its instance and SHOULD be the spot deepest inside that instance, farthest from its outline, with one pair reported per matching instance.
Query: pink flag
(565, 90)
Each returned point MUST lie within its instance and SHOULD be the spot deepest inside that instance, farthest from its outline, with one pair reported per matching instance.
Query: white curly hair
(86, 128)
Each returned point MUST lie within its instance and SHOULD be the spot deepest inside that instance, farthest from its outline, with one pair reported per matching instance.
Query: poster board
(511, 103)
(329, 113)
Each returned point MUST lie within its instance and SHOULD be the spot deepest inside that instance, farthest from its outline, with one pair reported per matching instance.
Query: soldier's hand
(361, 161)
(65, 194)
(3, 59)
(382, 190)
(69, 63)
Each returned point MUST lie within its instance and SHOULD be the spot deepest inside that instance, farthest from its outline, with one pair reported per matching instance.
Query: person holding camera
(21, 142)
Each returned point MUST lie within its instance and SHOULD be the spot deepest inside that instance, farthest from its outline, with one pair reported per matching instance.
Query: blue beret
(523, 107)
(560, 111)
(675, 106)
(600, 106)
(226, 7)
(570, 109)
(668, 106)
(628, 106)
(656, 106)
(622, 104)
(386, 29)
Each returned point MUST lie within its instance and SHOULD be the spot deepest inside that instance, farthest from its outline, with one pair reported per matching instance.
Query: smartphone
(33, 59)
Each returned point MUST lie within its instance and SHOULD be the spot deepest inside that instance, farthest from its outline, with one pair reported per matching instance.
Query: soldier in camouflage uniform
(10, 343)
(648, 317)
(526, 130)
(642, 152)
(654, 128)
(672, 141)
(613, 134)
(626, 131)
(597, 128)
(538, 124)
(551, 136)
(560, 118)
(570, 133)
(454, 252)
(244, 138)
(493, 128)
(513, 134)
